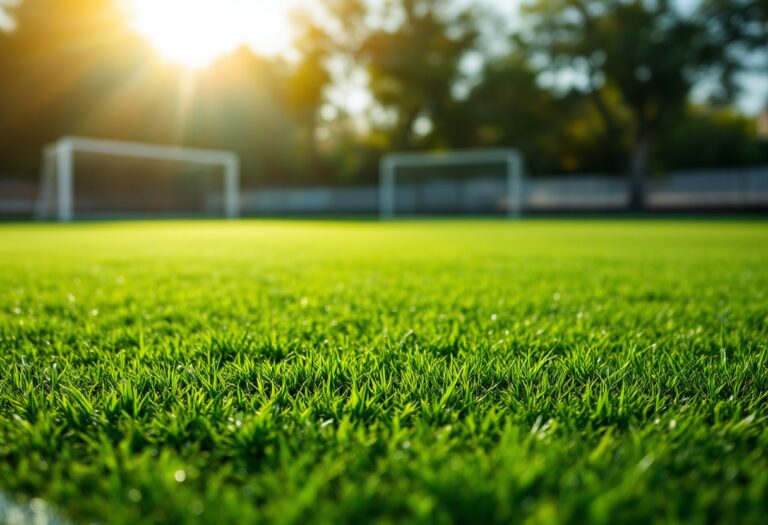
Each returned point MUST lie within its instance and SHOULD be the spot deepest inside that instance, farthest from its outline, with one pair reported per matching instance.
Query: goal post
(57, 170)
(510, 159)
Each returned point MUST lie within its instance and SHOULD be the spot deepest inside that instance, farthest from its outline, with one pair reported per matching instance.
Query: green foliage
(555, 133)
(706, 137)
(76, 67)
(414, 67)
(56, 50)
(740, 22)
(650, 52)
(449, 372)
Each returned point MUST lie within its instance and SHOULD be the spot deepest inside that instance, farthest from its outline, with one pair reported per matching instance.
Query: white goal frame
(57, 170)
(392, 161)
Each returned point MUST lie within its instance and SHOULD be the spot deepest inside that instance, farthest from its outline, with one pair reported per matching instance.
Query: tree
(77, 68)
(706, 136)
(648, 51)
(239, 103)
(739, 21)
(56, 66)
(507, 107)
(307, 84)
(414, 66)
(741, 29)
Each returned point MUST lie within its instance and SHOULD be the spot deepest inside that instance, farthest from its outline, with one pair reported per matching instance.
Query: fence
(743, 188)
(726, 189)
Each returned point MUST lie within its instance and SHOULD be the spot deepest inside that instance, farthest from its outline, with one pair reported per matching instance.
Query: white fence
(731, 188)
(743, 188)
(740, 188)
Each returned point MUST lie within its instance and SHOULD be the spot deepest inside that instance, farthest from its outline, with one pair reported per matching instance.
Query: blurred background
(615, 105)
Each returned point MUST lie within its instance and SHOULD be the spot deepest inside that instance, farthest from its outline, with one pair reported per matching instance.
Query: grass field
(430, 372)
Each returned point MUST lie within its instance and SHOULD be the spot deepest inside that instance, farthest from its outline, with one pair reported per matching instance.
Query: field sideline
(349, 372)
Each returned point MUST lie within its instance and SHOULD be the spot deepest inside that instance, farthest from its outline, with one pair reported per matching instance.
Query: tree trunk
(638, 170)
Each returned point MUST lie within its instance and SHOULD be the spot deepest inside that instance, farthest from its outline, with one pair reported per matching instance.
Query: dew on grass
(748, 420)
(646, 462)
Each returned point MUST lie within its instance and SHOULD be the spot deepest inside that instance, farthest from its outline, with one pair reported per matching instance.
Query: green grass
(446, 372)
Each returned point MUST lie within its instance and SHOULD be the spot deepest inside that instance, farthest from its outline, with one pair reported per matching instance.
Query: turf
(427, 372)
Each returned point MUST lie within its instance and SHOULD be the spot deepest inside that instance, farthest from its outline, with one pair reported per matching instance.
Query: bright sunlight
(195, 32)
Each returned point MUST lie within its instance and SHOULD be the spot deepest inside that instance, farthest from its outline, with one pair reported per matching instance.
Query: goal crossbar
(392, 161)
(58, 164)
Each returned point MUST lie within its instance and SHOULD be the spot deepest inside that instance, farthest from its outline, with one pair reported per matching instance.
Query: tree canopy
(649, 52)
(578, 86)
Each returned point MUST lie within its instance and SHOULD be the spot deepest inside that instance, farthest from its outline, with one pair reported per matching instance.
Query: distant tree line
(599, 86)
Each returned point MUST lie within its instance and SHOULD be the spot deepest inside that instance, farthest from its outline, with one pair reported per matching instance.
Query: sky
(210, 28)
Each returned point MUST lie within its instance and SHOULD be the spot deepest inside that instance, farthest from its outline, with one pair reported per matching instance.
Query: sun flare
(196, 32)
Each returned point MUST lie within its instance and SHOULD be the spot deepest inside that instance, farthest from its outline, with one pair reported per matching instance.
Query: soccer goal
(107, 178)
(474, 182)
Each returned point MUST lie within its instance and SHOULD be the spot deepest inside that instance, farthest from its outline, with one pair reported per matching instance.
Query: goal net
(472, 182)
(94, 178)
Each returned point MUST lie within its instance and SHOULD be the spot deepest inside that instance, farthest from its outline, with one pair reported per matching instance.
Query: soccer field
(354, 372)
